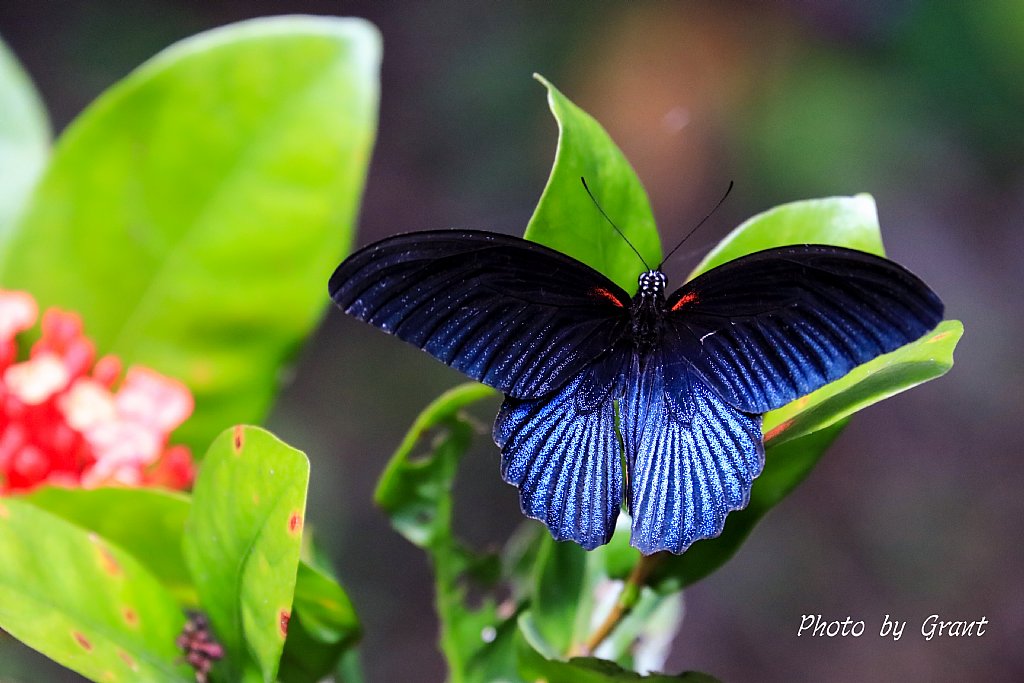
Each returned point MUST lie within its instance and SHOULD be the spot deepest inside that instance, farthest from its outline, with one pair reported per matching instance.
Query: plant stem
(628, 597)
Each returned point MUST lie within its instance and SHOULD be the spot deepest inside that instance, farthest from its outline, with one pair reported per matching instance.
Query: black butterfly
(682, 379)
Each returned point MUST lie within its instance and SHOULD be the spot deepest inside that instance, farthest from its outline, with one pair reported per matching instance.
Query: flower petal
(18, 312)
(37, 379)
(86, 404)
(153, 400)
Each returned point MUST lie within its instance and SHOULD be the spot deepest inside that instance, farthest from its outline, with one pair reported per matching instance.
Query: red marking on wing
(602, 293)
(688, 298)
(82, 640)
(285, 617)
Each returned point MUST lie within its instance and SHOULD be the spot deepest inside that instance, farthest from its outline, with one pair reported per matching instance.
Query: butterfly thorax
(648, 310)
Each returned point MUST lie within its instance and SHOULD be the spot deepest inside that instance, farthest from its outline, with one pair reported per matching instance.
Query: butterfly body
(648, 310)
(673, 385)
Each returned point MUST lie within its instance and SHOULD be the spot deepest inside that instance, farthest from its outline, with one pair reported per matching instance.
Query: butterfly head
(652, 284)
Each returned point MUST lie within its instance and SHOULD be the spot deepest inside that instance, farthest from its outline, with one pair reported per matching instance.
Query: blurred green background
(916, 510)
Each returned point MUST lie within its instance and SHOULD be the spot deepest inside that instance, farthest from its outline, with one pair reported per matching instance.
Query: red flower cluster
(67, 420)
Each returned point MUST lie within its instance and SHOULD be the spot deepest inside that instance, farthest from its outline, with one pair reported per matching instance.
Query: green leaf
(567, 220)
(148, 523)
(242, 542)
(24, 139)
(194, 212)
(566, 602)
(642, 640)
(535, 667)
(563, 596)
(850, 222)
(322, 627)
(83, 602)
(929, 357)
(349, 669)
(416, 492)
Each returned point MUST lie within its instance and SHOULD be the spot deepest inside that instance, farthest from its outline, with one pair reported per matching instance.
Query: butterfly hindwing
(692, 457)
(777, 324)
(563, 454)
(511, 313)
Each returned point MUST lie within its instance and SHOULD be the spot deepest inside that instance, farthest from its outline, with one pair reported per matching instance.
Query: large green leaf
(148, 523)
(24, 138)
(83, 602)
(850, 222)
(566, 219)
(194, 212)
(242, 542)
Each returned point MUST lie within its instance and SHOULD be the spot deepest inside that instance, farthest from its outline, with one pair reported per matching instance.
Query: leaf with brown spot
(148, 523)
(283, 622)
(57, 598)
(82, 640)
(106, 558)
(242, 557)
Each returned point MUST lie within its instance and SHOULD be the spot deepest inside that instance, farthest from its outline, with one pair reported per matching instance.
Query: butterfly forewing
(775, 325)
(513, 314)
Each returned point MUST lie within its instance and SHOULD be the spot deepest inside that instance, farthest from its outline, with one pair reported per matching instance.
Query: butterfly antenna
(611, 223)
(702, 221)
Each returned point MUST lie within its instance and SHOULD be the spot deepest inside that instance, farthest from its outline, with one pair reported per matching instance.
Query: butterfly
(655, 399)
